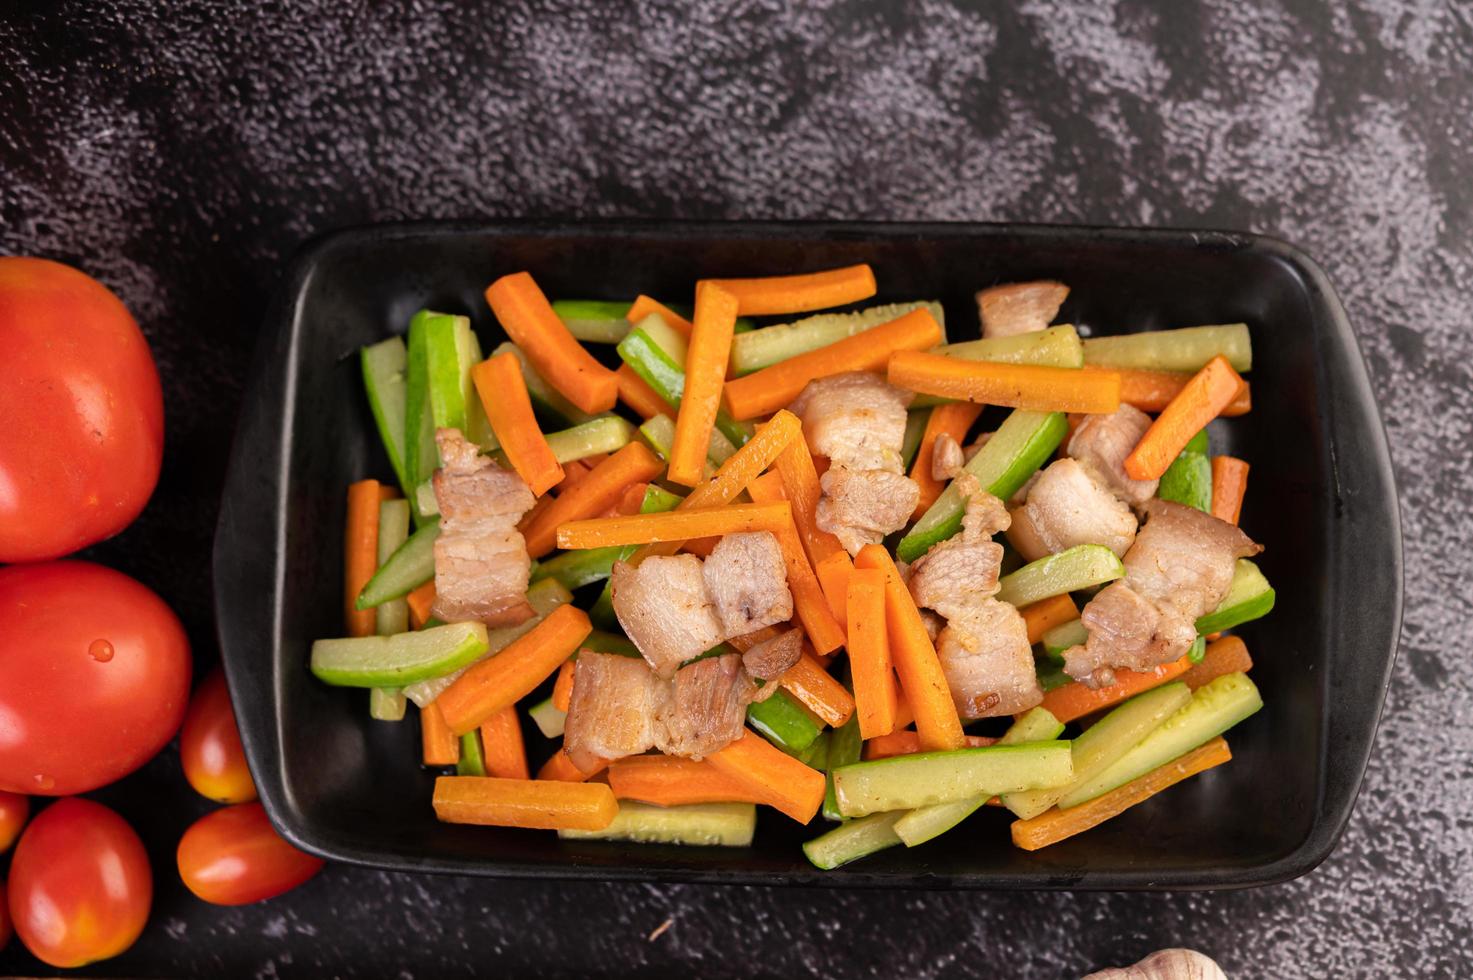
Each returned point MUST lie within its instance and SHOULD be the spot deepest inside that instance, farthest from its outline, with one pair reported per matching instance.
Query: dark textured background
(180, 151)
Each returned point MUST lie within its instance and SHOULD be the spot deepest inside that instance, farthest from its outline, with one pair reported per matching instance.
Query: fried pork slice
(988, 662)
(665, 611)
(1103, 442)
(770, 659)
(614, 709)
(947, 458)
(1126, 630)
(984, 515)
(956, 575)
(860, 507)
(1019, 307)
(748, 582)
(706, 709)
(1068, 506)
(481, 563)
(856, 419)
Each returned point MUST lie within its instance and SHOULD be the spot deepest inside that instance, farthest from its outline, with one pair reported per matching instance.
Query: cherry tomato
(233, 856)
(209, 745)
(14, 808)
(94, 677)
(84, 417)
(80, 888)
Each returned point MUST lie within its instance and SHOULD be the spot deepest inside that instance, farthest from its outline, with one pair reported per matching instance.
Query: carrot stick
(767, 488)
(594, 494)
(1210, 391)
(904, 716)
(801, 486)
(638, 395)
(833, 577)
(668, 781)
(915, 658)
(643, 306)
(554, 352)
(1228, 655)
(705, 374)
(1152, 391)
(360, 554)
(799, 294)
(1056, 825)
(1229, 484)
(909, 743)
(808, 599)
(631, 500)
(1044, 615)
(421, 600)
(502, 746)
(562, 688)
(560, 768)
(952, 419)
(1075, 700)
(673, 525)
(773, 387)
(574, 473)
(783, 781)
(439, 745)
(869, 653)
(512, 674)
(537, 804)
(1027, 386)
(812, 686)
(503, 393)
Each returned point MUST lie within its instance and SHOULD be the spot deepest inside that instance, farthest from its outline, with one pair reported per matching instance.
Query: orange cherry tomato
(209, 745)
(14, 808)
(233, 857)
(80, 888)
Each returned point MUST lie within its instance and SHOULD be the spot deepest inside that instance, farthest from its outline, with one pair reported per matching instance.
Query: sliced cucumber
(782, 722)
(657, 354)
(593, 321)
(385, 366)
(1034, 725)
(548, 402)
(1186, 349)
(769, 345)
(1188, 480)
(411, 565)
(600, 435)
(425, 502)
(1053, 347)
(1075, 568)
(548, 718)
(853, 840)
(396, 661)
(472, 761)
(816, 756)
(392, 615)
(659, 432)
(1104, 742)
(908, 781)
(1050, 674)
(386, 704)
(1214, 708)
(692, 824)
(451, 351)
(420, 455)
(1011, 456)
(1248, 597)
(845, 748)
(576, 569)
(1062, 637)
(1198, 649)
(915, 430)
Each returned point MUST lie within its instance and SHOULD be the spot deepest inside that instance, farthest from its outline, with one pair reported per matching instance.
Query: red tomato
(209, 745)
(14, 808)
(233, 857)
(94, 677)
(80, 888)
(84, 417)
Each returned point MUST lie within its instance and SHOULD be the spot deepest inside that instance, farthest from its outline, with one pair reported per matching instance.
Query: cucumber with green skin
(451, 351)
(601, 435)
(845, 748)
(1214, 708)
(386, 704)
(1050, 675)
(915, 430)
(1249, 597)
(770, 345)
(392, 615)
(576, 569)
(397, 661)
(385, 366)
(782, 722)
(411, 565)
(816, 756)
(908, 781)
(1014, 453)
(1184, 349)
(1079, 567)
(1198, 649)
(420, 455)
(657, 354)
(1062, 637)
(548, 718)
(1188, 480)
(658, 431)
(1052, 347)
(853, 840)
(549, 403)
(472, 761)
(593, 321)
(690, 824)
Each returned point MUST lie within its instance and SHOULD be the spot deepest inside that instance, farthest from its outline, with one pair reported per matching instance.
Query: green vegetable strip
(1186, 349)
(1188, 480)
(386, 704)
(593, 321)
(451, 351)
(656, 500)
(385, 366)
(853, 840)
(659, 432)
(783, 723)
(397, 661)
(666, 375)
(926, 778)
(1076, 568)
(1062, 637)
(1015, 451)
(420, 457)
(392, 615)
(575, 569)
(472, 761)
(548, 719)
(769, 345)
(602, 435)
(915, 429)
(1249, 597)
(411, 565)
(694, 824)
(845, 747)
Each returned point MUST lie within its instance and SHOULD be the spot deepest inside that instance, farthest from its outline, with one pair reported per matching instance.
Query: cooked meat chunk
(857, 420)
(956, 575)
(1103, 442)
(1019, 307)
(706, 709)
(773, 658)
(988, 662)
(481, 563)
(933, 623)
(616, 701)
(984, 515)
(860, 507)
(665, 610)
(1069, 506)
(1179, 569)
(748, 582)
(947, 458)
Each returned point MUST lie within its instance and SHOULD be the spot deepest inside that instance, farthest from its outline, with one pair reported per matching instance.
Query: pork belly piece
(747, 581)
(860, 507)
(1019, 307)
(956, 575)
(947, 458)
(614, 709)
(1103, 442)
(988, 661)
(706, 709)
(856, 419)
(481, 563)
(1126, 630)
(1068, 506)
(984, 514)
(665, 611)
(772, 658)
